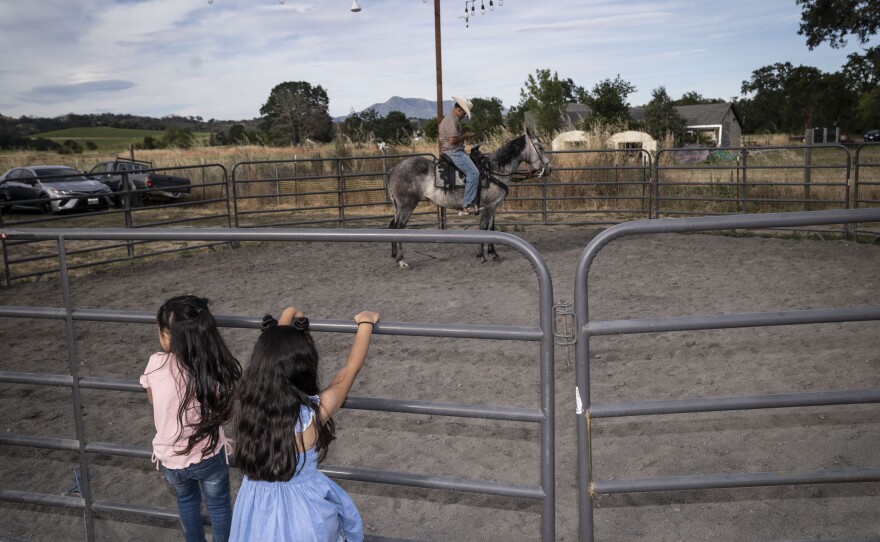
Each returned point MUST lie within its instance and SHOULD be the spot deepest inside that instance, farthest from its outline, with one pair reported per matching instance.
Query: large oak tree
(834, 20)
(296, 112)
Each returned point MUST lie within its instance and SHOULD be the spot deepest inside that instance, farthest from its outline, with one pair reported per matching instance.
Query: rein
(518, 176)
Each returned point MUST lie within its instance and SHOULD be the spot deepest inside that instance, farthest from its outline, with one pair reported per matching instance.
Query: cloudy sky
(221, 59)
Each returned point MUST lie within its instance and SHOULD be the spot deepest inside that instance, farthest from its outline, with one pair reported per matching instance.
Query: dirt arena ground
(644, 276)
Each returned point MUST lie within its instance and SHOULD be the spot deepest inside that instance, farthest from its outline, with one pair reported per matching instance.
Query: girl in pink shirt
(191, 385)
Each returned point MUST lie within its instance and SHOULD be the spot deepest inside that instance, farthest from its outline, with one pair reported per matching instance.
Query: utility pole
(441, 211)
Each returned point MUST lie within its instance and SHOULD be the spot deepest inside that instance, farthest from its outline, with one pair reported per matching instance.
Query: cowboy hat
(465, 104)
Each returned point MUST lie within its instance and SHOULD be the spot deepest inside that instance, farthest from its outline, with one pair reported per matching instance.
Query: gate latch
(562, 330)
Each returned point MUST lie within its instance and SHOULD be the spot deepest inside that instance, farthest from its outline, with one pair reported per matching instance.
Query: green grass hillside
(108, 139)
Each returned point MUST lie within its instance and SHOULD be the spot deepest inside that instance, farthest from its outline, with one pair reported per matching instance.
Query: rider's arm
(455, 140)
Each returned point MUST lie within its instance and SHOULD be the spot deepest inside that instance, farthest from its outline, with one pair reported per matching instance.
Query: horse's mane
(512, 149)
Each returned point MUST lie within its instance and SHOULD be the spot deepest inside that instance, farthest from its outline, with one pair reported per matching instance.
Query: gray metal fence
(208, 204)
(712, 181)
(314, 191)
(91, 505)
(587, 187)
(605, 186)
(587, 412)
(866, 183)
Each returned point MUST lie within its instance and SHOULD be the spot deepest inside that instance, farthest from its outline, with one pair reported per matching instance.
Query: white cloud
(222, 60)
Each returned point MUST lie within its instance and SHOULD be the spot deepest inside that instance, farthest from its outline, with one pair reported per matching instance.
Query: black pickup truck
(143, 183)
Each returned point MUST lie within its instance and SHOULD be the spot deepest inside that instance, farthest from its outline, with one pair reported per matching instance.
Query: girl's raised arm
(333, 397)
(288, 315)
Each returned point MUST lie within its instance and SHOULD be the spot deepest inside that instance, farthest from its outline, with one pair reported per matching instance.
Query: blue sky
(220, 60)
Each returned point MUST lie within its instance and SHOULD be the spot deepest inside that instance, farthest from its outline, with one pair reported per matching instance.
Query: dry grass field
(712, 182)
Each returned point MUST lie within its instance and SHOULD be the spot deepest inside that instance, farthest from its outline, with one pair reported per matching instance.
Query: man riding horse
(452, 145)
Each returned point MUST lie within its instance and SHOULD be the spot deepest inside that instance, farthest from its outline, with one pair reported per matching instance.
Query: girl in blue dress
(283, 428)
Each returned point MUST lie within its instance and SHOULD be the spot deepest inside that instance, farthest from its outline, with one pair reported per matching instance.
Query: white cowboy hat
(465, 104)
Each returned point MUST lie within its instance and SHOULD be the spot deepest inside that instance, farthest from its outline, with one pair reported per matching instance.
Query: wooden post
(441, 211)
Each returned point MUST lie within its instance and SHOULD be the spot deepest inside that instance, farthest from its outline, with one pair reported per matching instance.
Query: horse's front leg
(487, 221)
(401, 217)
(491, 227)
(394, 244)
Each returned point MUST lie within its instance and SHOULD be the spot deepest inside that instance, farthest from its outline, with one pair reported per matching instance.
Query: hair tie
(268, 321)
(301, 323)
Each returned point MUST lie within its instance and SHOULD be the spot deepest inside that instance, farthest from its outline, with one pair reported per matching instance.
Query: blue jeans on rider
(472, 175)
(211, 477)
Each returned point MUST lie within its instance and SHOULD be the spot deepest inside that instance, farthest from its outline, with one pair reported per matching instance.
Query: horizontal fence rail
(585, 329)
(587, 187)
(542, 415)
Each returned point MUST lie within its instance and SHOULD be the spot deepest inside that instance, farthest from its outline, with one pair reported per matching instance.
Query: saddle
(448, 176)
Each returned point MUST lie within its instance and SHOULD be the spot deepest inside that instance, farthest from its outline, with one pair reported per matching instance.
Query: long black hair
(209, 368)
(282, 374)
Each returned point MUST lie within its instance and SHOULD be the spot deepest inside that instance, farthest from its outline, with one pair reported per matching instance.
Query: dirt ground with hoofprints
(638, 277)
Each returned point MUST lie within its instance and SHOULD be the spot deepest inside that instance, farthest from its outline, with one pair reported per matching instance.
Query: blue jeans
(472, 175)
(210, 476)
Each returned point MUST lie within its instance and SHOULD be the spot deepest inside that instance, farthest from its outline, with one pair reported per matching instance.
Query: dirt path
(637, 277)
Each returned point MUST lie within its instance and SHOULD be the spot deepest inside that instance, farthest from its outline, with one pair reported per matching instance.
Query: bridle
(517, 176)
(532, 171)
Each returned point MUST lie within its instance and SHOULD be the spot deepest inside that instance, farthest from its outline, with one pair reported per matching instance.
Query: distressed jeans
(211, 477)
(472, 175)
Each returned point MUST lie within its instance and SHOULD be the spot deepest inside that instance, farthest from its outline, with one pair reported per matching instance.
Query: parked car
(872, 135)
(52, 189)
(143, 184)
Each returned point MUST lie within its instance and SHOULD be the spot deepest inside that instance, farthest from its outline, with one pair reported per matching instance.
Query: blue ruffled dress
(310, 507)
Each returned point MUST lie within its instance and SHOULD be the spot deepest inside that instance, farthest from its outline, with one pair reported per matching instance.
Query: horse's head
(539, 162)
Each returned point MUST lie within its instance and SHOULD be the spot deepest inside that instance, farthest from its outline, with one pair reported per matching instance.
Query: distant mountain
(411, 107)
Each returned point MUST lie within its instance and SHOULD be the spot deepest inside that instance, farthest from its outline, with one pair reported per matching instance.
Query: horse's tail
(388, 191)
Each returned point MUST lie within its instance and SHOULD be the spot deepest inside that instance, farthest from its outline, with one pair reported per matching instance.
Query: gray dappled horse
(413, 180)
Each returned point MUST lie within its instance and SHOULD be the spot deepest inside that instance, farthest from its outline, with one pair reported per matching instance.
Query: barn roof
(696, 115)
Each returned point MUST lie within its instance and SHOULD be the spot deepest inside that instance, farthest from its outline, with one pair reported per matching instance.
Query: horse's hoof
(402, 264)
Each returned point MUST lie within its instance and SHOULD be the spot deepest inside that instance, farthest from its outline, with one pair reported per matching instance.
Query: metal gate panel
(584, 329)
(543, 415)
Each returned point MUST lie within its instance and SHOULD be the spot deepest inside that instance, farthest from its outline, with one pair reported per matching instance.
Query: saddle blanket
(446, 175)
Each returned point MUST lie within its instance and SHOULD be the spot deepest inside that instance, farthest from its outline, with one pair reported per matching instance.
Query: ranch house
(719, 122)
